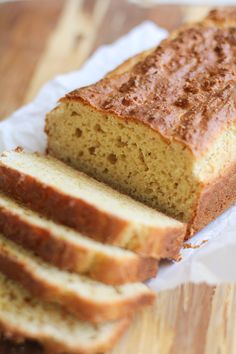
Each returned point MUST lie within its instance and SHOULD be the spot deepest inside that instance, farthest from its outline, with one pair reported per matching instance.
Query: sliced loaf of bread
(78, 201)
(70, 250)
(25, 317)
(161, 127)
(85, 298)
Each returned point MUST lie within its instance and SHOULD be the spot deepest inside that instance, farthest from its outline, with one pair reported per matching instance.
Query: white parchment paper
(215, 260)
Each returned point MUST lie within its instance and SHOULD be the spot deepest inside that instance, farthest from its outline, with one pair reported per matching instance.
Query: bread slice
(87, 299)
(25, 317)
(69, 250)
(72, 198)
(161, 127)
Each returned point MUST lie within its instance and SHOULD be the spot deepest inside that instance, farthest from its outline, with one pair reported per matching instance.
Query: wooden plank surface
(39, 39)
(192, 319)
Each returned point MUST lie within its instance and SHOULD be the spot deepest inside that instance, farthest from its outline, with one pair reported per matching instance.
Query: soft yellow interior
(135, 159)
(126, 155)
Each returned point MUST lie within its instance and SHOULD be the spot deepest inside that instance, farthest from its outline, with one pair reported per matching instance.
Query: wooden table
(39, 39)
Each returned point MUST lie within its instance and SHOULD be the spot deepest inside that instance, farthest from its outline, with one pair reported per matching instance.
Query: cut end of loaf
(161, 127)
(134, 159)
(125, 154)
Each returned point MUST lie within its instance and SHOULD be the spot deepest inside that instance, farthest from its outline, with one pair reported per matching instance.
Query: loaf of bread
(85, 298)
(70, 250)
(73, 199)
(25, 317)
(162, 128)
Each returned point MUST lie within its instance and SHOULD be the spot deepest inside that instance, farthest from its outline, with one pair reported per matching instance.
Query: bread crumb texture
(161, 128)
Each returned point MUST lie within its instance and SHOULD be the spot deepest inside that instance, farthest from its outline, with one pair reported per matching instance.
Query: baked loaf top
(185, 89)
(223, 16)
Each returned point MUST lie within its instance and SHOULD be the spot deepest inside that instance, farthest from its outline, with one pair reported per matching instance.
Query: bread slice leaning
(87, 299)
(25, 317)
(70, 250)
(72, 198)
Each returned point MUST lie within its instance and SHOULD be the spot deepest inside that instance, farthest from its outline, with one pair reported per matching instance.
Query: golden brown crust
(170, 242)
(15, 333)
(185, 89)
(81, 307)
(72, 212)
(129, 63)
(193, 72)
(224, 16)
(80, 215)
(67, 256)
(214, 200)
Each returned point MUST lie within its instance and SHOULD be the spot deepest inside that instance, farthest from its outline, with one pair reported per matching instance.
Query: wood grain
(192, 319)
(24, 30)
(39, 39)
(84, 26)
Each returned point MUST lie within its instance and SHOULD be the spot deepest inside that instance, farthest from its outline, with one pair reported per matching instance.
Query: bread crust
(81, 307)
(222, 16)
(197, 129)
(86, 218)
(15, 333)
(68, 256)
(188, 103)
(214, 199)
(129, 63)
(72, 212)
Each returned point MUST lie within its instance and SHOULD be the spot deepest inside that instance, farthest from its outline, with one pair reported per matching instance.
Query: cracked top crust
(185, 89)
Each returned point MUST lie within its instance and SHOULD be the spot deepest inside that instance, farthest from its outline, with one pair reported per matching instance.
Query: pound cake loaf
(80, 202)
(163, 129)
(70, 250)
(25, 317)
(85, 298)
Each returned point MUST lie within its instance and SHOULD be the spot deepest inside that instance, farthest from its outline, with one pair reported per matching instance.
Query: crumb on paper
(189, 245)
(179, 258)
